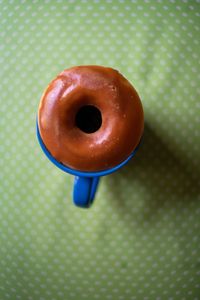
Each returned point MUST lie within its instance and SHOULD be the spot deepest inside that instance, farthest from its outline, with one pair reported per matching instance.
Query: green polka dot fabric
(140, 239)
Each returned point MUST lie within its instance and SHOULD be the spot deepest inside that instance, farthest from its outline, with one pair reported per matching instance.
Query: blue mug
(85, 183)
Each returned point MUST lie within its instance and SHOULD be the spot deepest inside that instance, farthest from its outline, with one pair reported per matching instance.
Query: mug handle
(84, 190)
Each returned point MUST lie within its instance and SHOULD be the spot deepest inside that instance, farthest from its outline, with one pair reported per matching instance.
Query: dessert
(90, 118)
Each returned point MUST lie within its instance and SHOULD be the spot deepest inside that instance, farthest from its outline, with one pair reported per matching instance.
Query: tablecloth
(140, 239)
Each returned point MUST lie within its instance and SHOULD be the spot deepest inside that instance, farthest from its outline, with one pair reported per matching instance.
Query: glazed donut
(90, 118)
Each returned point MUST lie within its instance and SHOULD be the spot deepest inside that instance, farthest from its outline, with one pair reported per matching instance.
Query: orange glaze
(121, 113)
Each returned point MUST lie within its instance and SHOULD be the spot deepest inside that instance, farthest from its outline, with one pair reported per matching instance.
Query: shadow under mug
(85, 183)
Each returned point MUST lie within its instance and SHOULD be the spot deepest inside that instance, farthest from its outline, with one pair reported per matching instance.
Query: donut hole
(88, 119)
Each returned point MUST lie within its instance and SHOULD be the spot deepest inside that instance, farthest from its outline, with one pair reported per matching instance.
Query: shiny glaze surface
(121, 111)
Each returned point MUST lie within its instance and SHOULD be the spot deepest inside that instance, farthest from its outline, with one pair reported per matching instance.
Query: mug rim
(77, 172)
